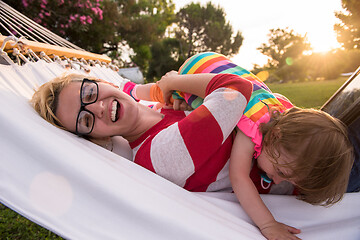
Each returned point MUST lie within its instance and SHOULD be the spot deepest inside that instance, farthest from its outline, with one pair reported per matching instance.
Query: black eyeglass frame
(82, 107)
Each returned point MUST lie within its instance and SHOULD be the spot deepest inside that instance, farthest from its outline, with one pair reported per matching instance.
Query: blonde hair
(45, 99)
(319, 145)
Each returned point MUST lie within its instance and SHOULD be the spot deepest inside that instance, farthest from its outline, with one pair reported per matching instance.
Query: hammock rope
(35, 42)
(30, 29)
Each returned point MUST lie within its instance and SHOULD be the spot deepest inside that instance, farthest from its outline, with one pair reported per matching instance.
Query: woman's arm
(225, 98)
(197, 139)
(247, 194)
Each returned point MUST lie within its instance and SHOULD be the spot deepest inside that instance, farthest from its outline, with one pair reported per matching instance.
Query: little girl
(275, 141)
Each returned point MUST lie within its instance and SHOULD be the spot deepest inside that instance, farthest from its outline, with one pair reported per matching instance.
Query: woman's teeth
(113, 111)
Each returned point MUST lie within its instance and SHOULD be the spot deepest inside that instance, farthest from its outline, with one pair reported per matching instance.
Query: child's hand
(181, 105)
(278, 231)
(165, 85)
(178, 105)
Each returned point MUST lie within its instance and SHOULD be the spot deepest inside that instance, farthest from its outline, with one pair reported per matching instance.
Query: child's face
(276, 173)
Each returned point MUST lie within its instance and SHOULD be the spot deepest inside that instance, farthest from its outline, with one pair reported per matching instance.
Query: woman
(200, 142)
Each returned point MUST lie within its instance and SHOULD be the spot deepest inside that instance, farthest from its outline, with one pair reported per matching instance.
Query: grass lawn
(308, 94)
(15, 227)
(305, 94)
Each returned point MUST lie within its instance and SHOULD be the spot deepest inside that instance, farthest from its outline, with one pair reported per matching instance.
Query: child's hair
(45, 99)
(319, 147)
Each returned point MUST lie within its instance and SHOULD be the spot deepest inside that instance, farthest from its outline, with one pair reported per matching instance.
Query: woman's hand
(165, 85)
(279, 231)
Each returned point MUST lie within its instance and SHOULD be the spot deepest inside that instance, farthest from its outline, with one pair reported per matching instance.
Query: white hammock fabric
(82, 191)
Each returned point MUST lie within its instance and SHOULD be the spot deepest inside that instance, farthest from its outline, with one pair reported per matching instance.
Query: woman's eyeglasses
(85, 120)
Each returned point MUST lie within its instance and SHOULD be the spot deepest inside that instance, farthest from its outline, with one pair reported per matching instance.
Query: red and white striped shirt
(193, 151)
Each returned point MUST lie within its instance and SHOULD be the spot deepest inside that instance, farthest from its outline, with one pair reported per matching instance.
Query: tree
(327, 65)
(166, 56)
(77, 21)
(348, 31)
(104, 26)
(284, 47)
(143, 23)
(331, 64)
(206, 29)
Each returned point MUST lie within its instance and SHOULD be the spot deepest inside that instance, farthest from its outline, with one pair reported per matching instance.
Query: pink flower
(95, 10)
(100, 13)
(62, 32)
(88, 4)
(83, 20)
(72, 18)
(47, 14)
(60, 2)
(89, 20)
(25, 3)
(44, 2)
(38, 20)
(41, 15)
(42, 5)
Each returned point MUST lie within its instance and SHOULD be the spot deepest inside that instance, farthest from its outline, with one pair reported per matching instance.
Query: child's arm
(152, 92)
(140, 91)
(193, 84)
(143, 91)
(247, 194)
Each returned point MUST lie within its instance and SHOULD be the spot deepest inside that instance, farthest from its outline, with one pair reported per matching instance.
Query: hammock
(79, 190)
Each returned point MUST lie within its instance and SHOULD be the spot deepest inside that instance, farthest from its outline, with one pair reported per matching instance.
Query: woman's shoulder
(170, 117)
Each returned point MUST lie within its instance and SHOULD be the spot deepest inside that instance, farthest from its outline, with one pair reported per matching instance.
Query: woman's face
(110, 101)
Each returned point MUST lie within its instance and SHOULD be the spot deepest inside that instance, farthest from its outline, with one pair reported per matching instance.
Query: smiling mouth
(115, 109)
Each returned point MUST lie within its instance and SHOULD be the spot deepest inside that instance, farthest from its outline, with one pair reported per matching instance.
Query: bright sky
(254, 18)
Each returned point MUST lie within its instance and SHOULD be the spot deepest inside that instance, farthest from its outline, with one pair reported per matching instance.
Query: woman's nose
(97, 108)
